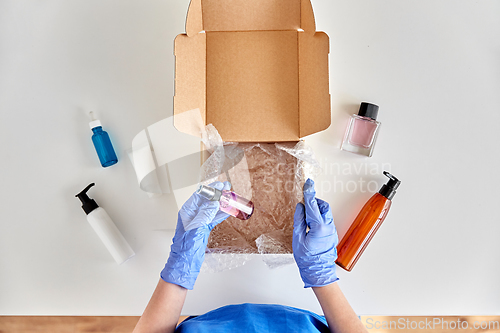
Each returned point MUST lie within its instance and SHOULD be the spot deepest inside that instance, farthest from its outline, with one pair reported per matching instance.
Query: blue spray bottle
(102, 143)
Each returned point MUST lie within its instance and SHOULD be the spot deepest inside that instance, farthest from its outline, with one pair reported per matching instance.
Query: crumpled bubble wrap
(272, 176)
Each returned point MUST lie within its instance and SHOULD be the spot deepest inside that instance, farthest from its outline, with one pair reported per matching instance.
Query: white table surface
(432, 66)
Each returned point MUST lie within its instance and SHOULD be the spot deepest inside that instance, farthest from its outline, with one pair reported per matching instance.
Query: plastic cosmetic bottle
(105, 228)
(366, 224)
(102, 143)
(362, 130)
(230, 202)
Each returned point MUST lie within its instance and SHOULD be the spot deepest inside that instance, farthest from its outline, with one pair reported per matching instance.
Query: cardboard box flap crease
(256, 69)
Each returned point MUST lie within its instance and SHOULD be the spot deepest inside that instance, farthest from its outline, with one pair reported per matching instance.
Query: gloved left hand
(197, 217)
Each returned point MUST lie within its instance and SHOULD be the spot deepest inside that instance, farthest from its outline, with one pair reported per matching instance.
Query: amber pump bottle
(366, 224)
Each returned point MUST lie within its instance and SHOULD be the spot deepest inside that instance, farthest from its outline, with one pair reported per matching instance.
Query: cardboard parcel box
(256, 69)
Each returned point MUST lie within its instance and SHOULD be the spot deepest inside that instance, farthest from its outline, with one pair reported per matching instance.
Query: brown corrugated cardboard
(256, 69)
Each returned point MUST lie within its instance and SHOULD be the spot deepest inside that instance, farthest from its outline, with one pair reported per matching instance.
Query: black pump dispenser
(88, 204)
(389, 190)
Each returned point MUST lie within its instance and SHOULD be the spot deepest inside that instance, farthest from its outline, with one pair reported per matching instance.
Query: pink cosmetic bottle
(362, 131)
(230, 202)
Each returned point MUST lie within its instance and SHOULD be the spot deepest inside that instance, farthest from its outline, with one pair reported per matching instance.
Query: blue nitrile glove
(315, 251)
(197, 217)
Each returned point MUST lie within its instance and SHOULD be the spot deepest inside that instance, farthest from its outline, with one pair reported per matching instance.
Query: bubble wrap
(272, 176)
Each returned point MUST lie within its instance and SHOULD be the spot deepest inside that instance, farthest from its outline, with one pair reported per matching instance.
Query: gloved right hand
(315, 251)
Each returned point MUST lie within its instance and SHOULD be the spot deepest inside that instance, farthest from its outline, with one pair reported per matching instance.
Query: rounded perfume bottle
(235, 205)
(229, 202)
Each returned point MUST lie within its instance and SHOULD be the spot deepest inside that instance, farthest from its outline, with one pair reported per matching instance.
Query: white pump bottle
(105, 228)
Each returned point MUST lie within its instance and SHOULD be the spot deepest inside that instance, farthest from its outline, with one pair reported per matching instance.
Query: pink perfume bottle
(230, 202)
(362, 131)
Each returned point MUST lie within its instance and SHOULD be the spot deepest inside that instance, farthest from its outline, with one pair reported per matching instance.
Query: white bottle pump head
(94, 122)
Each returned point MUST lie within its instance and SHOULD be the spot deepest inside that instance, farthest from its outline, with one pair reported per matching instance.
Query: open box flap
(190, 82)
(258, 106)
(245, 15)
(255, 85)
(314, 91)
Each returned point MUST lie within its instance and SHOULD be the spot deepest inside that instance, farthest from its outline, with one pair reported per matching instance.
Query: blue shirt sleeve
(255, 318)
